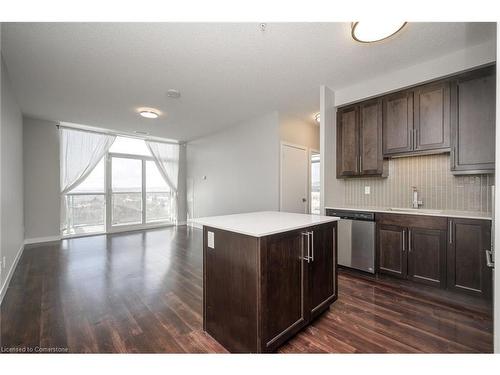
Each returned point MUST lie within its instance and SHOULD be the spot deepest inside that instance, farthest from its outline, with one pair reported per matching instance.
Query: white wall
(241, 165)
(41, 179)
(332, 189)
(299, 132)
(395, 80)
(12, 223)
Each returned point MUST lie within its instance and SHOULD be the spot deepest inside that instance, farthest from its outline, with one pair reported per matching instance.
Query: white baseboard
(3, 290)
(29, 241)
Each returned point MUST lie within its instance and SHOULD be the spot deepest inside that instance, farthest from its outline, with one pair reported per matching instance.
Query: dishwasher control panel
(351, 215)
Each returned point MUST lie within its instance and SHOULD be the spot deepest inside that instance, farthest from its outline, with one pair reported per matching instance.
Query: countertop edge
(385, 211)
(330, 219)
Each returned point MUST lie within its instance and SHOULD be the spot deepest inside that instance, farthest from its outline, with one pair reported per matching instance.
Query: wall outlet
(367, 190)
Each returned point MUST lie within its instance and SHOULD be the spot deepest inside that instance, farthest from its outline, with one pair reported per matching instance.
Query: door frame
(300, 147)
(312, 151)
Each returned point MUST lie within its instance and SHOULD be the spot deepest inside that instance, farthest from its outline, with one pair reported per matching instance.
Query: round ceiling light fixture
(150, 113)
(369, 32)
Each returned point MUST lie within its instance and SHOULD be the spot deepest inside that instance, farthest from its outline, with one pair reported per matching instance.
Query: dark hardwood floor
(141, 292)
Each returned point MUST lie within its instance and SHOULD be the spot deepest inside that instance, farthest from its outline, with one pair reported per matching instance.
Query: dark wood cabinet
(468, 241)
(260, 291)
(455, 114)
(322, 278)
(417, 120)
(391, 250)
(370, 138)
(348, 142)
(359, 140)
(412, 247)
(284, 273)
(473, 111)
(398, 123)
(427, 256)
(431, 116)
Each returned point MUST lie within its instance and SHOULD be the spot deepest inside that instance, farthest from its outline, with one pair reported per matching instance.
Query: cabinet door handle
(409, 240)
(450, 231)
(306, 234)
(415, 141)
(411, 139)
(404, 245)
(312, 246)
(489, 261)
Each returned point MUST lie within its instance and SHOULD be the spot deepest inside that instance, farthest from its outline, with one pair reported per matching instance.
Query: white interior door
(294, 179)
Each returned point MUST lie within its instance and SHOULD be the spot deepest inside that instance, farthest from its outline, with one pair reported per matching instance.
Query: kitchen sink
(419, 210)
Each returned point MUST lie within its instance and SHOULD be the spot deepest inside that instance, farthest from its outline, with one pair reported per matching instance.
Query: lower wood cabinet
(412, 247)
(427, 256)
(391, 250)
(443, 252)
(468, 271)
(260, 291)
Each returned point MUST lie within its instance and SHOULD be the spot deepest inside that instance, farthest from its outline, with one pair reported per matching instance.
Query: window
(158, 195)
(86, 207)
(131, 146)
(137, 192)
(126, 191)
(315, 184)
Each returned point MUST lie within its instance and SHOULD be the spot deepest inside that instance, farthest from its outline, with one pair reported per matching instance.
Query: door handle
(308, 258)
(450, 231)
(404, 245)
(489, 259)
(409, 240)
(312, 245)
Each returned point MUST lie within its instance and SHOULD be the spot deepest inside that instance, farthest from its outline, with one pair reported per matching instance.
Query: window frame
(110, 228)
(108, 193)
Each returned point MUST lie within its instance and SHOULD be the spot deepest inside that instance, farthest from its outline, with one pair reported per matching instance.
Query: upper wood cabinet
(398, 123)
(370, 138)
(347, 142)
(417, 120)
(455, 114)
(359, 140)
(431, 116)
(473, 105)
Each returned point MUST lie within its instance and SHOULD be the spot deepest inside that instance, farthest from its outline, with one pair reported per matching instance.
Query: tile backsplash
(437, 187)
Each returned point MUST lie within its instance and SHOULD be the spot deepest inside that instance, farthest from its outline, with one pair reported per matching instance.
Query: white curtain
(80, 151)
(166, 156)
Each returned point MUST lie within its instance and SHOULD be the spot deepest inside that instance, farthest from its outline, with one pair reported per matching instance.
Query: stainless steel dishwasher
(356, 239)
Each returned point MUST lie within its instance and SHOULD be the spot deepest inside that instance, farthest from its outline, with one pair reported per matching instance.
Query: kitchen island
(266, 275)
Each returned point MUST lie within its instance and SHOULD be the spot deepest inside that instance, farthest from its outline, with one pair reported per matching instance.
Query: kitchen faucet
(416, 203)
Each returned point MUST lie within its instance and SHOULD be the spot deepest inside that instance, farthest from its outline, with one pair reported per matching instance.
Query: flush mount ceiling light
(150, 113)
(369, 32)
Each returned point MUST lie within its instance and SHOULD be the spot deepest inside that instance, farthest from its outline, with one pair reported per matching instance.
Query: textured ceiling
(98, 73)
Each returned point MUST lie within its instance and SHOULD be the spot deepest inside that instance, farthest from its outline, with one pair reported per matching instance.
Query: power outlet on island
(367, 190)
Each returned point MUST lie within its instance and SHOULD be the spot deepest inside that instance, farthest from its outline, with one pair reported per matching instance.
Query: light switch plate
(211, 240)
(367, 190)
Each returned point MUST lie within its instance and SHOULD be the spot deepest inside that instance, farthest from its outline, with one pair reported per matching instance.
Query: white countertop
(411, 211)
(259, 224)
